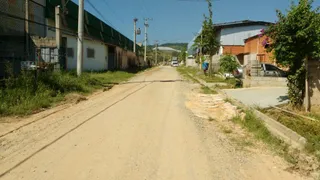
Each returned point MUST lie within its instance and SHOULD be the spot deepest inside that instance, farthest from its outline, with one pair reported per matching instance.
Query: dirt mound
(209, 106)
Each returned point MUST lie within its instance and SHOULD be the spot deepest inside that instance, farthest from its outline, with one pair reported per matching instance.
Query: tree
(228, 63)
(183, 55)
(295, 38)
(207, 39)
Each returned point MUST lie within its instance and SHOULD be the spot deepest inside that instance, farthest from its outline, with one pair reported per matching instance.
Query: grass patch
(306, 128)
(20, 97)
(228, 100)
(207, 90)
(260, 132)
(191, 73)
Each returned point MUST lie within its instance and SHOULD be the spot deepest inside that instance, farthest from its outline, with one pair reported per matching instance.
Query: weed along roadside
(19, 98)
(300, 149)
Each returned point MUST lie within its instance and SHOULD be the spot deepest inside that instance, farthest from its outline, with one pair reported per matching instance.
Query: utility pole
(80, 38)
(135, 34)
(146, 25)
(27, 28)
(156, 52)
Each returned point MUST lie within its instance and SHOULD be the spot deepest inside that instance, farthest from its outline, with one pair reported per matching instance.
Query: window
(271, 68)
(70, 52)
(90, 53)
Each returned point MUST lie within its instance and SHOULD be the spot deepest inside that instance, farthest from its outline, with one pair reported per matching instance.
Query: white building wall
(98, 63)
(237, 35)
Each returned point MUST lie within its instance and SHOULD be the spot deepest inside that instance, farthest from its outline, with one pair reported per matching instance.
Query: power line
(34, 22)
(89, 2)
(113, 12)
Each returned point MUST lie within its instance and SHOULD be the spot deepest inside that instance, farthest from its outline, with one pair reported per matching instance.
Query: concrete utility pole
(156, 52)
(135, 34)
(80, 38)
(307, 96)
(146, 25)
(58, 26)
(27, 28)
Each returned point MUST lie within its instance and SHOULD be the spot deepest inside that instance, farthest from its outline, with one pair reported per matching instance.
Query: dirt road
(138, 130)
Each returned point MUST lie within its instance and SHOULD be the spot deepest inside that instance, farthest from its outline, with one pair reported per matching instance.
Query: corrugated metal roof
(241, 23)
(161, 48)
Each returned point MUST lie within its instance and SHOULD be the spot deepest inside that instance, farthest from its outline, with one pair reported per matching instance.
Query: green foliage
(183, 55)
(207, 90)
(20, 97)
(296, 37)
(306, 128)
(209, 40)
(228, 63)
(257, 127)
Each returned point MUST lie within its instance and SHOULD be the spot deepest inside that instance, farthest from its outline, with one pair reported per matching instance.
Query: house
(232, 35)
(255, 48)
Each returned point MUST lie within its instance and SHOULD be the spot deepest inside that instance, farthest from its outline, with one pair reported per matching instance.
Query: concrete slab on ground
(260, 96)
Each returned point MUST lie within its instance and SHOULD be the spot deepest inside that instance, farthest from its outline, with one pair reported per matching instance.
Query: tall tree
(294, 39)
(207, 39)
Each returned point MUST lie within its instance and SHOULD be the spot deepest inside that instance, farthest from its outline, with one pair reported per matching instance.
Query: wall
(265, 82)
(191, 63)
(314, 80)
(235, 50)
(98, 63)
(237, 35)
(15, 26)
(254, 46)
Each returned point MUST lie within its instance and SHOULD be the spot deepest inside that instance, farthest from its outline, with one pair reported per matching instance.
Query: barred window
(90, 53)
(70, 52)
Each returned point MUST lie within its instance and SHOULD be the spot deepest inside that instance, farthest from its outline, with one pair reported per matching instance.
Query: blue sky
(178, 20)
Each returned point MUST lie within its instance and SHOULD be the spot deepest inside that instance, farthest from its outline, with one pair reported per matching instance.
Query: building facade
(232, 36)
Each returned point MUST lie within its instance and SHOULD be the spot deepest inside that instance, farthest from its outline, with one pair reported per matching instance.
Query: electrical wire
(113, 12)
(34, 22)
(89, 2)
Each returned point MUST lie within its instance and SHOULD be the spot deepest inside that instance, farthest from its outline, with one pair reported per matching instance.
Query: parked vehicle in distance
(238, 73)
(174, 62)
(272, 71)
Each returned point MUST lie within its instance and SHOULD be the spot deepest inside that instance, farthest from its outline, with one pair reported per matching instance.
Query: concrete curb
(277, 129)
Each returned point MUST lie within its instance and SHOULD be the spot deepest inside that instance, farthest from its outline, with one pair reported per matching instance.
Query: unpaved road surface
(140, 130)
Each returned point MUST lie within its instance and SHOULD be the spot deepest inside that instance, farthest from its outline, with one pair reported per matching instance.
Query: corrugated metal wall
(12, 15)
(94, 27)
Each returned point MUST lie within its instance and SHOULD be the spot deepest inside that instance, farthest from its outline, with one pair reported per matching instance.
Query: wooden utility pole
(27, 28)
(80, 38)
